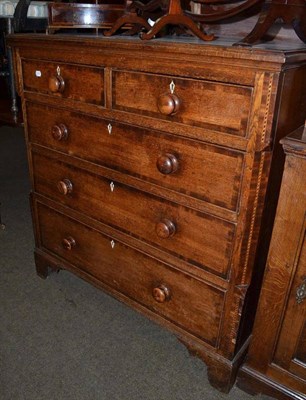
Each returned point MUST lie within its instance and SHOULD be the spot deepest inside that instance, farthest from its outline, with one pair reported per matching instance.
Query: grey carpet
(63, 339)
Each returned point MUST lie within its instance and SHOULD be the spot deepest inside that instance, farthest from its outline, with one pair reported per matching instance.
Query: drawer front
(178, 297)
(199, 239)
(206, 172)
(215, 106)
(73, 82)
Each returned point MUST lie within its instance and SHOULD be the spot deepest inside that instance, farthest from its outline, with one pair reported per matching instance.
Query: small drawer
(210, 105)
(206, 172)
(178, 297)
(75, 82)
(199, 239)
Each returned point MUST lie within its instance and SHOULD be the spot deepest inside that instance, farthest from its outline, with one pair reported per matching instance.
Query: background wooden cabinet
(276, 362)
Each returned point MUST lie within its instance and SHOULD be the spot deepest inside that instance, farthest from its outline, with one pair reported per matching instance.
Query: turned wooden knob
(168, 104)
(59, 132)
(167, 164)
(165, 229)
(56, 84)
(68, 243)
(65, 186)
(161, 293)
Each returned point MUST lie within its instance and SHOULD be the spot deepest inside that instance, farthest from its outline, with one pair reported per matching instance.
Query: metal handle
(301, 292)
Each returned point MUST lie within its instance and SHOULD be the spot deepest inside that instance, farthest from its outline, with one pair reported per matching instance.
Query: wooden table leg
(292, 12)
(175, 16)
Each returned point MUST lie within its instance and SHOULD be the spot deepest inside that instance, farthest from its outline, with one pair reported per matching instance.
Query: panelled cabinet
(276, 362)
(150, 166)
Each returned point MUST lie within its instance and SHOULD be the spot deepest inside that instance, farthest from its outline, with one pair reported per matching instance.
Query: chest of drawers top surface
(156, 155)
(131, 80)
(216, 61)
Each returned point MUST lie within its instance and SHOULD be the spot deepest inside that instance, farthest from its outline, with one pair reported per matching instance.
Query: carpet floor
(63, 339)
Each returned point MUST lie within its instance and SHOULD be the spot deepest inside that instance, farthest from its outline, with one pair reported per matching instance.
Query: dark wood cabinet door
(291, 348)
(276, 362)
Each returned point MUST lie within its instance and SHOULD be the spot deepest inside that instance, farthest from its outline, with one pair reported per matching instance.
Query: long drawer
(198, 238)
(206, 172)
(211, 105)
(178, 297)
(75, 82)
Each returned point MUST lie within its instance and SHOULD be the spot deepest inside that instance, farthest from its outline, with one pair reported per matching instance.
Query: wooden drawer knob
(56, 84)
(167, 164)
(65, 186)
(59, 132)
(68, 243)
(168, 104)
(161, 294)
(165, 229)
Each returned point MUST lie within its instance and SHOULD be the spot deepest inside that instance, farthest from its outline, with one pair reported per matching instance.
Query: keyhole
(172, 87)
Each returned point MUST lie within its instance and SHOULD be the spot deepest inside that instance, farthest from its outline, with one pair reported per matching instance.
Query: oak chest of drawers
(150, 166)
